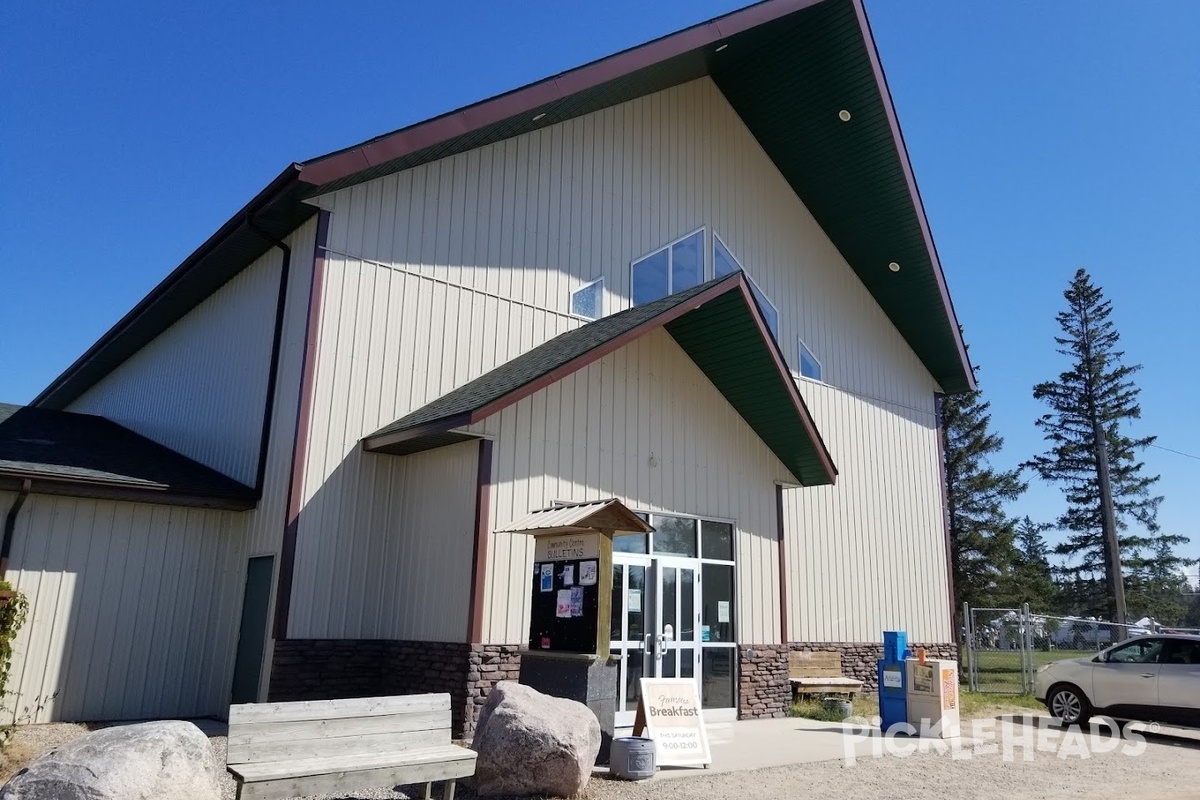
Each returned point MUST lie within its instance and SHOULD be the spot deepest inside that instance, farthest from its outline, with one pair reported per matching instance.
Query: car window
(1181, 651)
(1140, 651)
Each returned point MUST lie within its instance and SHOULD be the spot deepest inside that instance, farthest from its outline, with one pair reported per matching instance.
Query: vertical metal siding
(200, 387)
(392, 559)
(133, 609)
(440, 273)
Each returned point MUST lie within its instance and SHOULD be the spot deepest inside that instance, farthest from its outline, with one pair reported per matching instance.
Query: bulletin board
(565, 605)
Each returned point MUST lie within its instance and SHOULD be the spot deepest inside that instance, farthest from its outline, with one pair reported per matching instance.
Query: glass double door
(656, 630)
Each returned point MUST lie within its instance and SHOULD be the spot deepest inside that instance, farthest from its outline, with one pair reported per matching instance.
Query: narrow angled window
(588, 300)
(809, 366)
(723, 261)
(769, 312)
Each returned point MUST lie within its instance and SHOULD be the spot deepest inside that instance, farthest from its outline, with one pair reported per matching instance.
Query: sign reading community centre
(567, 547)
(674, 721)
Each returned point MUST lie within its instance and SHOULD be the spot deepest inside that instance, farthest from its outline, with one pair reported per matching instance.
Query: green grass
(971, 704)
(999, 671)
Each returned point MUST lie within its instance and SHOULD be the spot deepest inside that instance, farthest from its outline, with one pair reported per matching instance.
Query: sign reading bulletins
(674, 721)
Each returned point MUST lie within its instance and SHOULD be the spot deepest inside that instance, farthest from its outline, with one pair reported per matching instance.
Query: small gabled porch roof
(719, 326)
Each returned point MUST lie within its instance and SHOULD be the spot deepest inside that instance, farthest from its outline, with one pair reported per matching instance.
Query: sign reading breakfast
(674, 721)
(567, 547)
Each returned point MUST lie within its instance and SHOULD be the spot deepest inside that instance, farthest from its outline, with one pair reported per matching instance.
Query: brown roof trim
(783, 573)
(285, 180)
(910, 178)
(479, 553)
(374, 443)
(529, 98)
(295, 490)
(781, 365)
(100, 489)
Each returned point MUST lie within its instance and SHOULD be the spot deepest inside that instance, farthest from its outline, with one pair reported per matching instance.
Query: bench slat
(803, 664)
(337, 709)
(255, 752)
(353, 762)
(343, 782)
(241, 732)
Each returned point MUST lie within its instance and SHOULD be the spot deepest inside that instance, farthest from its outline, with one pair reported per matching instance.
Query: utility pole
(1108, 521)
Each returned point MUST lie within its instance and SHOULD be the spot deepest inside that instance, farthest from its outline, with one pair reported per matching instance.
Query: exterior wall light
(844, 115)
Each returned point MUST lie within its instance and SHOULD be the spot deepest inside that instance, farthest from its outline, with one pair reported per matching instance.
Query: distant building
(695, 276)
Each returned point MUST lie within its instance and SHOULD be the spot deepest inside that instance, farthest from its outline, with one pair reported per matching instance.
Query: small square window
(588, 301)
(809, 366)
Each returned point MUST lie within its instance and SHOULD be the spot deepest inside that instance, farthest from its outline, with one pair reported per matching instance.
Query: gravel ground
(1168, 769)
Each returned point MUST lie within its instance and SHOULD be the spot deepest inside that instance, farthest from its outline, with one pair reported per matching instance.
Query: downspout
(10, 526)
(276, 347)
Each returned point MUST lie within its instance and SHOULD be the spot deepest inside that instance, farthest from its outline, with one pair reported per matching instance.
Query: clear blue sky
(1045, 136)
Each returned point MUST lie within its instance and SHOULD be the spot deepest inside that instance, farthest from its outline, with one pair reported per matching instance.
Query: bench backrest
(261, 732)
(814, 665)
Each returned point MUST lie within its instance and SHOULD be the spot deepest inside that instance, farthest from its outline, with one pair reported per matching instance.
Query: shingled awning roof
(742, 360)
(59, 452)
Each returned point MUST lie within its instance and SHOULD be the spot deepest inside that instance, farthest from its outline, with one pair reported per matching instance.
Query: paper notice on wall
(568, 575)
(722, 611)
(635, 601)
(547, 577)
(576, 601)
(588, 574)
(562, 607)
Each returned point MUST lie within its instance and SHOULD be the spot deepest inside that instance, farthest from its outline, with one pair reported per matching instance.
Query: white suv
(1153, 678)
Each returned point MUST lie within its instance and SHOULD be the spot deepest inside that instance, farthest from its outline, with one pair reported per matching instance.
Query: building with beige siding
(695, 276)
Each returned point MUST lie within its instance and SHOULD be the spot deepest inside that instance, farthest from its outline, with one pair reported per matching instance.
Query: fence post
(1027, 650)
(969, 645)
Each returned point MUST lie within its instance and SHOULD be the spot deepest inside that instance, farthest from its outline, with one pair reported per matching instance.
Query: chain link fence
(1003, 647)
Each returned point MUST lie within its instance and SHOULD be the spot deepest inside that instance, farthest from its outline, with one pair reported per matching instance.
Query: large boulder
(532, 743)
(160, 760)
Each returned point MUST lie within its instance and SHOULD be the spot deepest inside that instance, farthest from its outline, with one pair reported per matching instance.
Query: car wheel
(1069, 704)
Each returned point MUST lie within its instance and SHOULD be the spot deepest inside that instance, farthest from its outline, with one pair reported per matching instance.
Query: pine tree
(1034, 577)
(982, 550)
(1097, 390)
(1158, 586)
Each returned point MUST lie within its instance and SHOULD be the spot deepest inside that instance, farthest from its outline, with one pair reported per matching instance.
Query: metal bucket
(839, 704)
(632, 758)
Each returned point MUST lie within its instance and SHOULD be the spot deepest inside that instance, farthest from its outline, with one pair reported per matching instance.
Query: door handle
(1147, 674)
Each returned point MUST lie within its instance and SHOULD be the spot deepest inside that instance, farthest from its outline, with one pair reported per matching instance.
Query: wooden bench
(819, 673)
(279, 750)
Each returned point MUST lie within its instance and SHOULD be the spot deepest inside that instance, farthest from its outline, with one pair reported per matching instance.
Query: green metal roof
(717, 324)
(787, 68)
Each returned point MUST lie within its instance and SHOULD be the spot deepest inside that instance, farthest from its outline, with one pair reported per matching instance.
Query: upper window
(678, 266)
(809, 366)
(588, 301)
(725, 264)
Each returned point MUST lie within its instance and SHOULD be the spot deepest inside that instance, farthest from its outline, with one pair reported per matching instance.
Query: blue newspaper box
(893, 705)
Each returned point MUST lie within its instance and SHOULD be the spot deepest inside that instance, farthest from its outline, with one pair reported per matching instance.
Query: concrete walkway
(754, 744)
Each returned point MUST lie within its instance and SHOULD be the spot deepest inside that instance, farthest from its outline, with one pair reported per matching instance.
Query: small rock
(160, 760)
(531, 743)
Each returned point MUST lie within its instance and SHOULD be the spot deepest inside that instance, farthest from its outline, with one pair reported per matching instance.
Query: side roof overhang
(719, 326)
(46, 451)
(787, 68)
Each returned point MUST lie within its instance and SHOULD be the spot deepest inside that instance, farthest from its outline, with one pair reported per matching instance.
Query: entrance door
(655, 623)
(677, 635)
(633, 628)
(252, 638)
